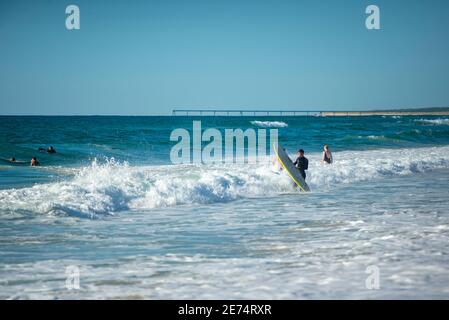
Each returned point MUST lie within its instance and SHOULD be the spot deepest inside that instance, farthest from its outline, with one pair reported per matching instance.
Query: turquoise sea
(110, 203)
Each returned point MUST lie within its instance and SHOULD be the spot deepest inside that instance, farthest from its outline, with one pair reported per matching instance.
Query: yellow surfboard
(288, 166)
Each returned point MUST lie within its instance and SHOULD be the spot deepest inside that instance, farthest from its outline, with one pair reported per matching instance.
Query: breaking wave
(110, 186)
(440, 121)
(269, 124)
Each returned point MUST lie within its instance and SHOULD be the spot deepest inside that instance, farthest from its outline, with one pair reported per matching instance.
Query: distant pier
(316, 113)
(224, 112)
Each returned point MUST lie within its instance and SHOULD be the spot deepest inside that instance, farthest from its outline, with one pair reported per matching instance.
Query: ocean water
(111, 204)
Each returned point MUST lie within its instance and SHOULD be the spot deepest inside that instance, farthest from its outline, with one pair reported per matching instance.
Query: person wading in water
(327, 155)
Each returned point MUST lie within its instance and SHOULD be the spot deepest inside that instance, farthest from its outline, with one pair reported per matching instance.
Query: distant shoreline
(383, 113)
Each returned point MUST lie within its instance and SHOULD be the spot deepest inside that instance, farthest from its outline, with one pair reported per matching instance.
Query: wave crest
(110, 186)
(439, 121)
(269, 124)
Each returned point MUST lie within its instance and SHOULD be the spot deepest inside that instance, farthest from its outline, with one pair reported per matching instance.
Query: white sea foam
(269, 124)
(439, 121)
(372, 137)
(392, 117)
(103, 188)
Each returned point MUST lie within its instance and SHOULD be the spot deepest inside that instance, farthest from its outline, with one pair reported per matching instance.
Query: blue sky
(148, 57)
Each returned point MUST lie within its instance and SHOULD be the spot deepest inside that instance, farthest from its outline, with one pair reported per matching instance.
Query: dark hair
(301, 151)
(34, 158)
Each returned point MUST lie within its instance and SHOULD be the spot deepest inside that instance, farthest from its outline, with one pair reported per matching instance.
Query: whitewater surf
(111, 205)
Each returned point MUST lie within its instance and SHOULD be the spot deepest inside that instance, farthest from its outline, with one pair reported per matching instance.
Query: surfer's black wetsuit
(302, 164)
(326, 158)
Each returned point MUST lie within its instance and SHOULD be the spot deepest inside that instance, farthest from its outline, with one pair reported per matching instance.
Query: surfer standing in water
(302, 163)
(327, 155)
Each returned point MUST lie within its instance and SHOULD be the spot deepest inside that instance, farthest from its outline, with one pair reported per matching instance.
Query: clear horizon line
(170, 114)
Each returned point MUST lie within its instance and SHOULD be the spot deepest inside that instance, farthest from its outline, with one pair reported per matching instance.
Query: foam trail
(111, 186)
